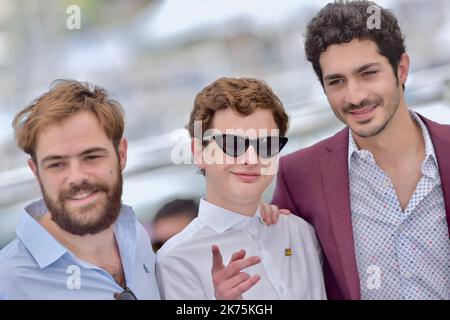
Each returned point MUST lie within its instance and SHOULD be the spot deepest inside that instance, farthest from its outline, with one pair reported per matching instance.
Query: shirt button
(385, 183)
(407, 274)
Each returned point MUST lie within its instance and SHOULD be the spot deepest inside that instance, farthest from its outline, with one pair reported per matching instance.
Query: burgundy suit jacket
(314, 184)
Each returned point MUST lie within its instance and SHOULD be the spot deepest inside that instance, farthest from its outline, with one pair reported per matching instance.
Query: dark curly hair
(343, 21)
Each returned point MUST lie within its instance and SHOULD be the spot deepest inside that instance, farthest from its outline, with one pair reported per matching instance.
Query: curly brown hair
(242, 95)
(64, 99)
(341, 22)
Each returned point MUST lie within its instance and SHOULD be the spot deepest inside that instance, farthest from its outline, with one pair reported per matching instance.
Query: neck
(401, 138)
(88, 247)
(246, 207)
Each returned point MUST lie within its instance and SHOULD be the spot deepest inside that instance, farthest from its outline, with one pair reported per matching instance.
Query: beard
(90, 219)
(391, 109)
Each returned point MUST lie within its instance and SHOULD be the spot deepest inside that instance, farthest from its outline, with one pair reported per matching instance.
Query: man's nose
(77, 174)
(355, 93)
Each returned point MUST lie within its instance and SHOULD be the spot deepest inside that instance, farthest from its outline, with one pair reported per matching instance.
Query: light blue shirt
(36, 266)
(400, 254)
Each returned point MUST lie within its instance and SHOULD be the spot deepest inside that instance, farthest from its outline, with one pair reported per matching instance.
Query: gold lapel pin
(288, 252)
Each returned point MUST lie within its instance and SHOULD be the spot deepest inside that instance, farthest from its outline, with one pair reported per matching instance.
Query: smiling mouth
(82, 196)
(363, 114)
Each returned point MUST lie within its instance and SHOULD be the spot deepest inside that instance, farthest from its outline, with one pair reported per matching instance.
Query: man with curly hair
(377, 192)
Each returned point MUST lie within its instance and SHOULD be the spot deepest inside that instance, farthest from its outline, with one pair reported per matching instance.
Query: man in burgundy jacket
(377, 192)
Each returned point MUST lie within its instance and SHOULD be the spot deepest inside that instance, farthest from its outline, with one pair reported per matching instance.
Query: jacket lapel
(440, 135)
(334, 168)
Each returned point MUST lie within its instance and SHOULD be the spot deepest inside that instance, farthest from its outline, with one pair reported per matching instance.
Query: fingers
(236, 286)
(266, 213)
(236, 266)
(285, 211)
(217, 263)
(244, 286)
(236, 280)
(270, 213)
(275, 213)
(229, 281)
(237, 255)
(262, 211)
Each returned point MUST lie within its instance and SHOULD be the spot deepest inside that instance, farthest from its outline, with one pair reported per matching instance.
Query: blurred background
(154, 56)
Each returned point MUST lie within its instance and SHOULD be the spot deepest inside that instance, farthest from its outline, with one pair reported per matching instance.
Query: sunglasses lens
(266, 147)
(232, 145)
(270, 146)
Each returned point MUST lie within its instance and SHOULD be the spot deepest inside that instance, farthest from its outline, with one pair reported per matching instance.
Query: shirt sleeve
(178, 281)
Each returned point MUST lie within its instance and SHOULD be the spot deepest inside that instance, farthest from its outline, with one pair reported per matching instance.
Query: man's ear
(123, 148)
(403, 68)
(197, 152)
(33, 166)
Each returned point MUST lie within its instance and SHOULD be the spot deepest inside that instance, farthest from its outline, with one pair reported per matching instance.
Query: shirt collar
(44, 248)
(431, 171)
(220, 219)
(353, 149)
(429, 149)
(41, 245)
(352, 146)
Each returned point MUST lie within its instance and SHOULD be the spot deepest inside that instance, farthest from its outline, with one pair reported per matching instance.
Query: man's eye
(56, 165)
(90, 158)
(369, 73)
(335, 82)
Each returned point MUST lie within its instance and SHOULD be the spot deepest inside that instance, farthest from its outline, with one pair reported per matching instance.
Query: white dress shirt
(290, 266)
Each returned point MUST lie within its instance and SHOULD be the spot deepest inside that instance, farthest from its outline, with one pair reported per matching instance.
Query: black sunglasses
(127, 294)
(234, 146)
